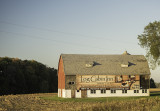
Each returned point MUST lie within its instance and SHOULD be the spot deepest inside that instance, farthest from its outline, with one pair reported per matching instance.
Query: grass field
(50, 102)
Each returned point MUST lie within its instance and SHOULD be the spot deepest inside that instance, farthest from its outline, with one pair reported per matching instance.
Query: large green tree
(150, 40)
(26, 76)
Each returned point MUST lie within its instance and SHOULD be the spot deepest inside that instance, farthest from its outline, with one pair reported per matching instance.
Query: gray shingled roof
(105, 64)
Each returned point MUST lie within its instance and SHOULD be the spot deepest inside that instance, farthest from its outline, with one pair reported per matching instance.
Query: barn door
(73, 93)
(83, 93)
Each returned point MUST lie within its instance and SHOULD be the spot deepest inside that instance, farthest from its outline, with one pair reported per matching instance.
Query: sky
(41, 30)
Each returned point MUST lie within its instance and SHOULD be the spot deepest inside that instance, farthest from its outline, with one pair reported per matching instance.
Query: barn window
(136, 91)
(113, 91)
(93, 91)
(89, 64)
(103, 91)
(144, 91)
(124, 91)
(70, 83)
(125, 64)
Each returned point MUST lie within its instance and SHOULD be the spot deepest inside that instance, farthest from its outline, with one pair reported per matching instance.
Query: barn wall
(63, 93)
(67, 93)
(59, 92)
(117, 94)
(70, 78)
(78, 94)
(61, 78)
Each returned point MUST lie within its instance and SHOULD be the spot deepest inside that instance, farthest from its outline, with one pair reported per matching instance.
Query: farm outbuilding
(82, 75)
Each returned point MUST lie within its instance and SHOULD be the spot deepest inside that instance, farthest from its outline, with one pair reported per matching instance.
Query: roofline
(100, 54)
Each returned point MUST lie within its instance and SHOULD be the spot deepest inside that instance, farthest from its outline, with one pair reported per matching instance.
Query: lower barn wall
(77, 94)
(67, 93)
(59, 92)
(63, 93)
(117, 94)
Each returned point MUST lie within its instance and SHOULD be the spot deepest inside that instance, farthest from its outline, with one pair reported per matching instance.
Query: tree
(152, 83)
(150, 40)
(28, 76)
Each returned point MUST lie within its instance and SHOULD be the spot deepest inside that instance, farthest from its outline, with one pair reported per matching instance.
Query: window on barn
(136, 91)
(70, 83)
(103, 91)
(113, 91)
(144, 91)
(93, 91)
(124, 91)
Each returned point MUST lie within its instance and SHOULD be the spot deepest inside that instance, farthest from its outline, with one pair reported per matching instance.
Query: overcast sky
(43, 29)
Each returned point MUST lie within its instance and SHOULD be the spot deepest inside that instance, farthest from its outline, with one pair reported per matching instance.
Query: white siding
(59, 92)
(78, 94)
(67, 93)
(63, 93)
(117, 94)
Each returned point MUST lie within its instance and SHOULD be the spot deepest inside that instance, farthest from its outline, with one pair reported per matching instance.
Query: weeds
(50, 102)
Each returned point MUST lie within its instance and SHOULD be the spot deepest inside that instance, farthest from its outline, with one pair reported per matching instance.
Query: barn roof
(124, 64)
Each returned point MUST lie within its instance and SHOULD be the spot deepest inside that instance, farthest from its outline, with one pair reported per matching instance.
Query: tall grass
(50, 102)
(143, 104)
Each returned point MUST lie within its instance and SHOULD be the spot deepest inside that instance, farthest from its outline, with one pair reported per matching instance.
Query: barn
(84, 75)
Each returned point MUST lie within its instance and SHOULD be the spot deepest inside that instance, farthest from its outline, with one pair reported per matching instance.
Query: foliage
(28, 76)
(157, 85)
(152, 83)
(150, 40)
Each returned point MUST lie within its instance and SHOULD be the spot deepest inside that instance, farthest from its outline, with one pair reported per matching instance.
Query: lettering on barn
(97, 78)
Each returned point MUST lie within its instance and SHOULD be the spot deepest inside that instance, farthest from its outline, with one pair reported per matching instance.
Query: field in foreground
(50, 102)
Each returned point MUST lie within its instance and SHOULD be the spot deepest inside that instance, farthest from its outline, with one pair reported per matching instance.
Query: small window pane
(146, 91)
(93, 91)
(103, 91)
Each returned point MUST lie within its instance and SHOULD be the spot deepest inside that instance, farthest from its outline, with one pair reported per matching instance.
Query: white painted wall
(117, 94)
(77, 94)
(63, 93)
(67, 94)
(59, 92)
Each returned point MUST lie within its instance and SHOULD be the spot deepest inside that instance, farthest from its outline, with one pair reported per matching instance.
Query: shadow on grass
(155, 94)
(103, 99)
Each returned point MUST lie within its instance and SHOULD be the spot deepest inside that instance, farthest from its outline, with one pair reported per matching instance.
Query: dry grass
(33, 102)
(50, 102)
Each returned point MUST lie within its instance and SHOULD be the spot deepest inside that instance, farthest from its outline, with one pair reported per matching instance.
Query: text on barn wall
(97, 78)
